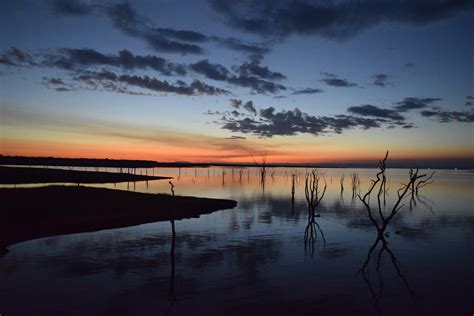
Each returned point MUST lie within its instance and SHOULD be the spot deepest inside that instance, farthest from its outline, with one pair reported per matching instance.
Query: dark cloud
(53, 81)
(235, 103)
(235, 113)
(380, 80)
(371, 110)
(271, 123)
(221, 73)
(248, 106)
(76, 59)
(16, 57)
(211, 71)
(125, 18)
(334, 81)
(71, 7)
(308, 91)
(257, 85)
(443, 116)
(252, 67)
(334, 20)
(57, 84)
(64, 89)
(409, 65)
(105, 78)
(415, 103)
(469, 102)
(236, 137)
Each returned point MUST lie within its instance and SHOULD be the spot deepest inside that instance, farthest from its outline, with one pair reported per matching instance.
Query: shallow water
(253, 259)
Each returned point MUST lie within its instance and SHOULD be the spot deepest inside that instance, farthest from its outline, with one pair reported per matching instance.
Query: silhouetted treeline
(459, 163)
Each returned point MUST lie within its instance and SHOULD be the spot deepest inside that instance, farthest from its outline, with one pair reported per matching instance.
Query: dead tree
(171, 187)
(262, 167)
(314, 195)
(381, 220)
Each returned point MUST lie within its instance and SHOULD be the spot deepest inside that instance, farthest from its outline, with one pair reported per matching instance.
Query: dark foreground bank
(31, 213)
(21, 175)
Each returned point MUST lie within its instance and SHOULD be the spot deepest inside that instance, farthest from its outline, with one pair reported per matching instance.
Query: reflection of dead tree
(381, 222)
(293, 185)
(355, 182)
(424, 182)
(342, 183)
(171, 288)
(313, 197)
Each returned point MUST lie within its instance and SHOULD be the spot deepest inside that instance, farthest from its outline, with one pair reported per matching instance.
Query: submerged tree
(262, 166)
(314, 194)
(381, 219)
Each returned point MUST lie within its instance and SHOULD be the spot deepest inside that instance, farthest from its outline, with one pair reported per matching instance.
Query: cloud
(125, 18)
(409, 65)
(16, 57)
(221, 73)
(211, 71)
(469, 102)
(71, 7)
(84, 60)
(234, 137)
(107, 79)
(334, 81)
(415, 103)
(336, 20)
(248, 106)
(380, 80)
(371, 110)
(449, 116)
(235, 103)
(77, 59)
(307, 91)
(252, 67)
(271, 123)
(257, 85)
(57, 84)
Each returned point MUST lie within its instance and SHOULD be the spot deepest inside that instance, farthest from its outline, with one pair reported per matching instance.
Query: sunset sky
(221, 81)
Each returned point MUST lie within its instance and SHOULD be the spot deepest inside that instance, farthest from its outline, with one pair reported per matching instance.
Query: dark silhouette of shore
(22, 175)
(30, 213)
(432, 163)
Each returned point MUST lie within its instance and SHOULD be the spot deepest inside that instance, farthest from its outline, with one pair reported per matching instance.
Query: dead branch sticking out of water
(381, 220)
(314, 195)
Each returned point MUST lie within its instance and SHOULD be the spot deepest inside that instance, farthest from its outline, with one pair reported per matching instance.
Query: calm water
(253, 259)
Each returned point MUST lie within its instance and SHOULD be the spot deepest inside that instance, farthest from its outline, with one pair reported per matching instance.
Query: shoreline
(32, 175)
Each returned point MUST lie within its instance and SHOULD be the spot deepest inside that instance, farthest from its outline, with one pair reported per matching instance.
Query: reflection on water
(252, 259)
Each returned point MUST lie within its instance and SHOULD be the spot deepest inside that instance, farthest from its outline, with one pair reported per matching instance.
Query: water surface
(253, 259)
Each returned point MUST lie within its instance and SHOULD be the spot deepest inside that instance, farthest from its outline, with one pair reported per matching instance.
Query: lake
(254, 259)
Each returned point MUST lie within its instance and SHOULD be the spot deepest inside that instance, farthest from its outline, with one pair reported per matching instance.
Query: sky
(224, 81)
